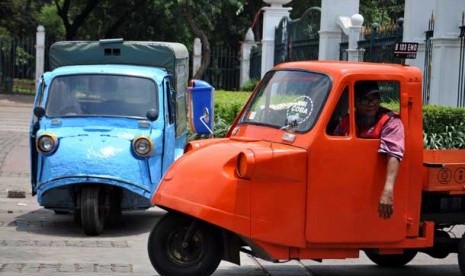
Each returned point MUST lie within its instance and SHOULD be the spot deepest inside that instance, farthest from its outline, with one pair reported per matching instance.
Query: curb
(16, 100)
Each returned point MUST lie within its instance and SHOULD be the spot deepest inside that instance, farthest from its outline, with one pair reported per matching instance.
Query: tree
(74, 16)
(381, 11)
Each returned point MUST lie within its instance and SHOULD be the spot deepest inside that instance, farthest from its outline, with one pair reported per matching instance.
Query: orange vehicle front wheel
(180, 245)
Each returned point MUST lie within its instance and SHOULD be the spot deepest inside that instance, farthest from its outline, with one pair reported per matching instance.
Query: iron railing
(224, 69)
(298, 39)
(428, 61)
(461, 82)
(255, 63)
(380, 40)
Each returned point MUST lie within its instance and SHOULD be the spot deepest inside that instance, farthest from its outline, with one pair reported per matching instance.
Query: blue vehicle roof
(112, 69)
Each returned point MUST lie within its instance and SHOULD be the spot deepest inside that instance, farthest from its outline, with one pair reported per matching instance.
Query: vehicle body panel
(98, 148)
(322, 201)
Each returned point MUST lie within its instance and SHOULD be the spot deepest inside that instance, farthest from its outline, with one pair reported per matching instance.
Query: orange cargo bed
(444, 171)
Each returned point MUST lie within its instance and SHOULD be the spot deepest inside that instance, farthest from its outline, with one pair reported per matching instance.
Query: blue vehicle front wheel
(93, 210)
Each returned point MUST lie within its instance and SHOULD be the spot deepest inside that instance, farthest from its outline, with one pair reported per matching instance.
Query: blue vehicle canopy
(172, 56)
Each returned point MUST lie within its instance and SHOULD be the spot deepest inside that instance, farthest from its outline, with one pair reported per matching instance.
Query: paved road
(36, 241)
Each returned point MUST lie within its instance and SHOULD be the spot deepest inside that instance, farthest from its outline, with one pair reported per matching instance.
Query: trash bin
(201, 107)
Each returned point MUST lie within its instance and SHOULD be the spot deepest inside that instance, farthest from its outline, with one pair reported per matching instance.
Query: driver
(376, 122)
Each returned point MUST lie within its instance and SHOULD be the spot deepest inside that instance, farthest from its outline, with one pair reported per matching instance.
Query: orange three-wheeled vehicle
(283, 186)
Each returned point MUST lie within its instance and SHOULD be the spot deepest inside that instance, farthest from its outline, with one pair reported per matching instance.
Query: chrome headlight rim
(42, 140)
(138, 141)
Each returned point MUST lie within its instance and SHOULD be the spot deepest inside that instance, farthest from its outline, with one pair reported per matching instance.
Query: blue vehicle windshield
(288, 99)
(101, 95)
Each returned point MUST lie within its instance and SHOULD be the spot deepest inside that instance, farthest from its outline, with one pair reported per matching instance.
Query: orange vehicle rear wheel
(176, 246)
(391, 260)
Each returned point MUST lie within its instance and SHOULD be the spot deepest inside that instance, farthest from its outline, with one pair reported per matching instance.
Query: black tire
(461, 255)
(93, 210)
(391, 260)
(115, 215)
(60, 212)
(168, 256)
(77, 209)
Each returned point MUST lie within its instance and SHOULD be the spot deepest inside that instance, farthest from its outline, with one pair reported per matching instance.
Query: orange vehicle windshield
(289, 100)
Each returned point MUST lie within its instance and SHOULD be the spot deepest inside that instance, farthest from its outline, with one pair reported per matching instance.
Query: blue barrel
(201, 114)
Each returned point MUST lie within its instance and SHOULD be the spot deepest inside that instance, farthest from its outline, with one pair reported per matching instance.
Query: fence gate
(224, 69)
(298, 39)
(18, 63)
(461, 88)
(428, 59)
(380, 40)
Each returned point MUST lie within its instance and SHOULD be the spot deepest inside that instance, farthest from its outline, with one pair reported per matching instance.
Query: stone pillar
(271, 18)
(353, 53)
(330, 33)
(416, 16)
(40, 53)
(446, 52)
(246, 49)
(197, 56)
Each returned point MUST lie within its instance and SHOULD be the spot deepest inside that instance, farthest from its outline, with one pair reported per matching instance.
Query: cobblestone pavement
(35, 241)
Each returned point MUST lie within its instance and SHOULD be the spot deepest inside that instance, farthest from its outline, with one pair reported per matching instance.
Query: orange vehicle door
(346, 178)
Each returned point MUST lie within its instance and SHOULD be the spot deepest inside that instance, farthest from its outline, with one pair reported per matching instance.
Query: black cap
(365, 88)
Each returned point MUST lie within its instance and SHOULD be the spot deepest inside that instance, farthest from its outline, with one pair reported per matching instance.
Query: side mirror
(152, 114)
(39, 111)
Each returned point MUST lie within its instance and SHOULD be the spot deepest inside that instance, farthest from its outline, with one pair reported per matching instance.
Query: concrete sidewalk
(16, 100)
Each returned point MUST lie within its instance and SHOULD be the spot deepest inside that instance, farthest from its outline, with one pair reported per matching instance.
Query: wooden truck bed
(444, 171)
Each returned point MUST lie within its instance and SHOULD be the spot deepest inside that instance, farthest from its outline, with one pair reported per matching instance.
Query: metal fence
(428, 61)
(18, 61)
(461, 82)
(17, 64)
(255, 63)
(298, 39)
(224, 69)
(379, 42)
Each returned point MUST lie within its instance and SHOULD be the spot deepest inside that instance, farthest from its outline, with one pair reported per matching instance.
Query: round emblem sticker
(301, 108)
(444, 176)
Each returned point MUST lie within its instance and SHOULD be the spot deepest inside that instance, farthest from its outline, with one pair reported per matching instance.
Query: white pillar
(271, 18)
(40, 52)
(197, 56)
(355, 54)
(246, 49)
(446, 51)
(416, 17)
(330, 33)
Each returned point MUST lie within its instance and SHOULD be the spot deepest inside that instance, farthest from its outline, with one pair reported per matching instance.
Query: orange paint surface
(315, 196)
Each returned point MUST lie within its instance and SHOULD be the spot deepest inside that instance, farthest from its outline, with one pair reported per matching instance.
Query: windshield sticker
(251, 115)
(301, 109)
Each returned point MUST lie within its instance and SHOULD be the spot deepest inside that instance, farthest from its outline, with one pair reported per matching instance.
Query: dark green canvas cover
(117, 51)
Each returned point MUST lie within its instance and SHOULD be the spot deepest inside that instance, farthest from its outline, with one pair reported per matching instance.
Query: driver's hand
(385, 207)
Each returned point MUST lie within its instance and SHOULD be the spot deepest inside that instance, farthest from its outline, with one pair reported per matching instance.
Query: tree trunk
(203, 37)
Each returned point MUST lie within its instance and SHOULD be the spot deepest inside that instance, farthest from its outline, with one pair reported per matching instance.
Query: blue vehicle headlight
(47, 143)
(142, 146)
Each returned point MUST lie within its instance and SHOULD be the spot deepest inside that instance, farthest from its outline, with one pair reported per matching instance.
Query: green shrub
(228, 104)
(443, 127)
(249, 85)
(437, 118)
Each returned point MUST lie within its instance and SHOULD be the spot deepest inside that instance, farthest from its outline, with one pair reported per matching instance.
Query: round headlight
(245, 164)
(46, 143)
(142, 146)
